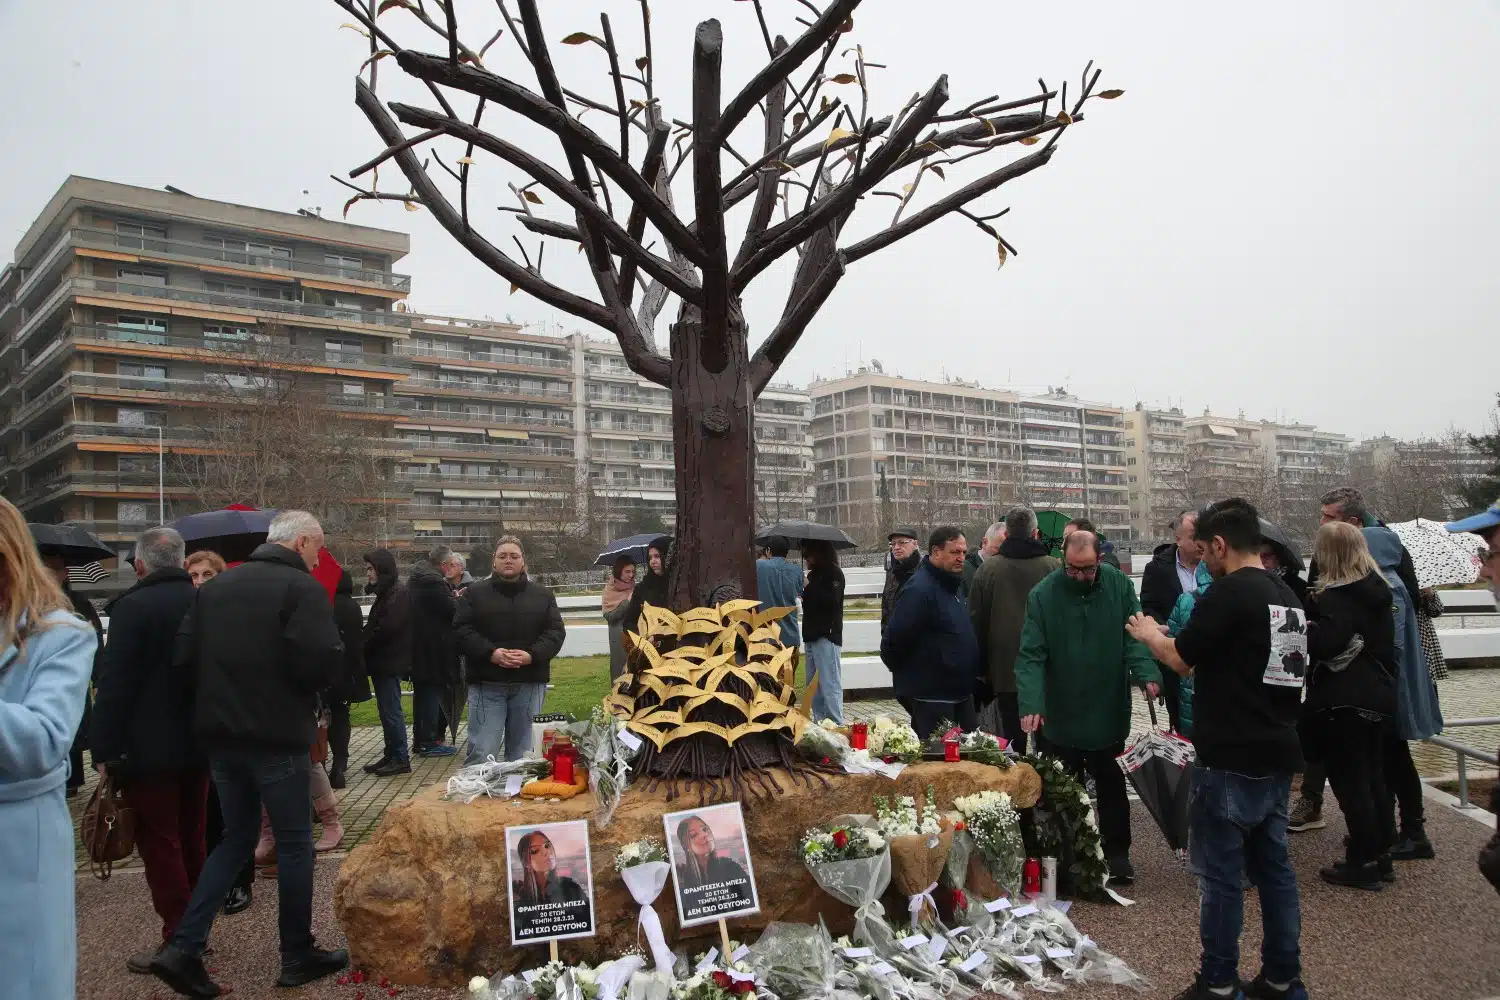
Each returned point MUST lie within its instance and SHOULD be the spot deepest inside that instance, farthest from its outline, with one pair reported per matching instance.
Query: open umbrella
(1439, 556)
(76, 546)
(1157, 766)
(233, 532)
(806, 531)
(1286, 554)
(633, 546)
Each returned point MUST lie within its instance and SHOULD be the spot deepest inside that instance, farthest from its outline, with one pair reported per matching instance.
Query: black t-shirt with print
(1247, 644)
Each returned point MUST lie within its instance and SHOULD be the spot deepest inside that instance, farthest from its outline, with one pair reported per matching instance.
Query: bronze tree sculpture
(713, 376)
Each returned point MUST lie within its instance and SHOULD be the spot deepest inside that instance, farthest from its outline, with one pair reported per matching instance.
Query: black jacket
(143, 716)
(495, 614)
(433, 656)
(823, 605)
(388, 629)
(259, 643)
(896, 576)
(651, 589)
(353, 683)
(1160, 586)
(84, 608)
(1336, 616)
(929, 642)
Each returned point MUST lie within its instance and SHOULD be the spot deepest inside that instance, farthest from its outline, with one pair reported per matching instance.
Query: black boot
(336, 774)
(238, 900)
(183, 972)
(338, 744)
(1413, 846)
(1354, 875)
(315, 963)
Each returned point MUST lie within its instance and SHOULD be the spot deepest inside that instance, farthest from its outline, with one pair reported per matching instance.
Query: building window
(141, 237)
(137, 463)
(354, 388)
(130, 417)
(141, 329)
(348, 266)
(143, 276)
(336, 349)
(240, 251)
(144, 376)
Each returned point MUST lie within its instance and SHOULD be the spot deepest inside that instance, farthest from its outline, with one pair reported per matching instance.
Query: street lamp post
(161, 493)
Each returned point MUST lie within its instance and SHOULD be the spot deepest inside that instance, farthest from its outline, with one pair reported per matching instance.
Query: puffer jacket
(929, 642)
(1181, 612)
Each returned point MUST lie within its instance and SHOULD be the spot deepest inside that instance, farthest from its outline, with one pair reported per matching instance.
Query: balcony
(440, 480)
(416, 384)
(494, 357)
(92, 431)
(189, 252)
(486, 449)
(273, 353)
(222, 300)
(97, 482)
(561, 423)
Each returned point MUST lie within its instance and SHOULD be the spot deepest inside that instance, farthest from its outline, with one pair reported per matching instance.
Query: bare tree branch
(951, 203)
(708, 56)
(799, 312)
(826, 26)
(555, 119)
(614, 72)
(765, 195)
(635, 226)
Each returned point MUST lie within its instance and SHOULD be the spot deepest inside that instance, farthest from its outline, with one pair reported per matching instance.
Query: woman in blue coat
(46, 657)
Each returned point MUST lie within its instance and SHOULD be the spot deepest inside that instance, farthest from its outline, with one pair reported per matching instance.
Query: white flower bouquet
(993, 825)
(919, 846)
(644, 867)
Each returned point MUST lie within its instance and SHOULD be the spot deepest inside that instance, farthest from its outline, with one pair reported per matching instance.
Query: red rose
(1002, 741)
(952, 734)
(826, 760)
(743, 988)
(958, 826)
(721, 979)
(960, 901)
(840, 839)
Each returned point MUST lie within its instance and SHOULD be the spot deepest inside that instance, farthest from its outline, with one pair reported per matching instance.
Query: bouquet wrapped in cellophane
(919, 848)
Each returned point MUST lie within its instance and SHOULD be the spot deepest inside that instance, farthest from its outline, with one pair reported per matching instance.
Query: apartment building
(489, 417)
(783, 454)
(1225, 456)
(1304, 455)
(128, 312)
(1156, 459)
(889, 449)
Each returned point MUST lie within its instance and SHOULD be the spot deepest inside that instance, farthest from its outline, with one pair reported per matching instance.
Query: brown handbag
(318, 752)
(107, 828)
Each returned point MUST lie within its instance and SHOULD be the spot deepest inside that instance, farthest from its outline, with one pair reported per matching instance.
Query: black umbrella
(233, 532)
(1157, 765)
(806, 531)
(76, 546)
(1276, 538)
(634, 546)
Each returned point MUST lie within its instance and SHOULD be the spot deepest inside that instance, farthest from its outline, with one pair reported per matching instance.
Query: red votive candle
(562, 768)
(950, 750)
(859, 736)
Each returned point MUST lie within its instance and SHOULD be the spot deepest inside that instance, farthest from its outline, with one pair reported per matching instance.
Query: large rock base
(424, 901)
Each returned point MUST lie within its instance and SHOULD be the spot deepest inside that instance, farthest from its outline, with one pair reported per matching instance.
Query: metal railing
(229, 300)
(494, 357)
(269, 353)
(417, 383)
(1462, 751)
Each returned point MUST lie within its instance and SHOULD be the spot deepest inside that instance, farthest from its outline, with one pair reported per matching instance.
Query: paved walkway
(1435, 935)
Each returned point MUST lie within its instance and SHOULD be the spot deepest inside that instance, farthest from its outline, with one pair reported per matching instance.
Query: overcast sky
(1290, 212)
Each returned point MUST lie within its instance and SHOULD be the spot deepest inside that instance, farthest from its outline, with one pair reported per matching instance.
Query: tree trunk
(713, 425)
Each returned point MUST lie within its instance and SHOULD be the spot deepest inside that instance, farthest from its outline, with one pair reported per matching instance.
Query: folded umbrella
(1157, 766)
(76, 546)
(1439, 556)
(806, 531)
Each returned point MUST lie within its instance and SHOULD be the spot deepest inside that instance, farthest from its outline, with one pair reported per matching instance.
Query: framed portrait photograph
(711, 868)
(550, 882)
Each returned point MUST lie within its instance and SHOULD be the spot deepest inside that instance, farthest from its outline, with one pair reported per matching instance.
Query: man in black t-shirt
(1246, 647)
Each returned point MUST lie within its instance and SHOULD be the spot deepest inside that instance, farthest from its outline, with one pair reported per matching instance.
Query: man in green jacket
(1074, 675)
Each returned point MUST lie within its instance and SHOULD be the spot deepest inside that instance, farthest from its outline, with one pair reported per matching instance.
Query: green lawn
(578, 684)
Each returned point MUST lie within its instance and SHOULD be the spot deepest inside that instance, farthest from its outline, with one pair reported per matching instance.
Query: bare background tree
(818, 152)
(276, 437)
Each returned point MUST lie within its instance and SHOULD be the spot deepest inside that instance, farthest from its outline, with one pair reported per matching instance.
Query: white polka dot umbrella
(1439, 556)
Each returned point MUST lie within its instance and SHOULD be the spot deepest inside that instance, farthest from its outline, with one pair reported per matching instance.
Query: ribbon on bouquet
(645, 883)
(617, 974)
(915, 902)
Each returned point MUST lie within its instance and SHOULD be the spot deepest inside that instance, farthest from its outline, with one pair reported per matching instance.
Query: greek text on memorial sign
(551, 882)
(711, 867)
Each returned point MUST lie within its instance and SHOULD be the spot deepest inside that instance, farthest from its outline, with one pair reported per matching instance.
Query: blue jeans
(500, 716)
(247, 780)
(1237, 826)
(823, 664)
(392, 716)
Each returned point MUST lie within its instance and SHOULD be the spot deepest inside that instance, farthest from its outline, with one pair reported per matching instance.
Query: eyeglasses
(1082, 572)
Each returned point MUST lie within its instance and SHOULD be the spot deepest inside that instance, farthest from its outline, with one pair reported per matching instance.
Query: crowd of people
(1267, 674)
(220, 711)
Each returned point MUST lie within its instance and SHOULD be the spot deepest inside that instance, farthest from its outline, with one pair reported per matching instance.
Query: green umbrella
(1051, 523)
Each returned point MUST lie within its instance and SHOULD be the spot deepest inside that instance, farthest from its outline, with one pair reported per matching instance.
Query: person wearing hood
(509, 629)
(1351, 696)
(652, 589)
(615, 604)
(905, 557)
(353, 683)
(84, 608)
(142, 735)
(1171, 573)
(257, 645)
(929, 642)
(434, 658)
(997, 607)
(388, 644)
(1075, 672)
